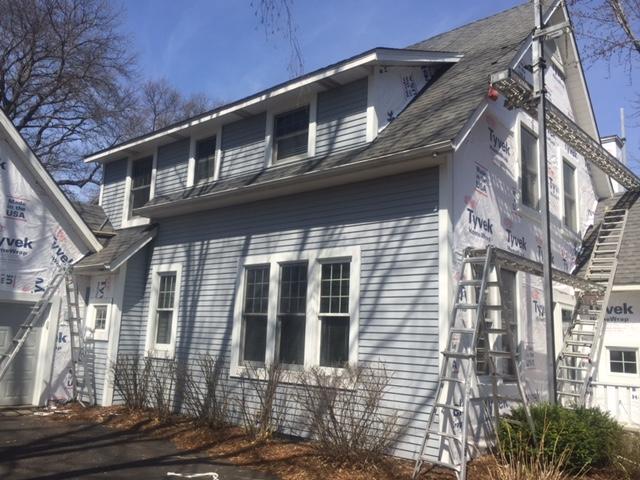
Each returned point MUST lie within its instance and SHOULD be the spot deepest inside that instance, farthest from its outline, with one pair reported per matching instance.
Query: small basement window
(529, 169)
(140, 182)
(291, 134)
(623, 361)
(205, 159)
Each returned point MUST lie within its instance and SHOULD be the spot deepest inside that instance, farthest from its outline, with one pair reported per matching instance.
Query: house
(40, 232)
(324, 220)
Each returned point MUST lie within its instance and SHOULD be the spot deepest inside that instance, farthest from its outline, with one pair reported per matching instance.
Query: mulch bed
(284, 458)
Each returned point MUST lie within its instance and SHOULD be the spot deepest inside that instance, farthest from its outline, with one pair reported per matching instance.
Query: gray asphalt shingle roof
(125, 240)
(437, 114)
(94, 217)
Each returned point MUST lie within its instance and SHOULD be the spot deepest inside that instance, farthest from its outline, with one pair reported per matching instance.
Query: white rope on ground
(211, 475)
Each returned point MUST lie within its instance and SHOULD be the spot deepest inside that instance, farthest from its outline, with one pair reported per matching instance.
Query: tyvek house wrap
(33, 246)
(487, 209)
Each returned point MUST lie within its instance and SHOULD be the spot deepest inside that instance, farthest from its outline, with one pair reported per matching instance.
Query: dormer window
(291, 134)
(205, 159)
(141, 182)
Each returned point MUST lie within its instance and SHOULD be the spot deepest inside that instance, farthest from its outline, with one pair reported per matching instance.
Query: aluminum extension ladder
(35, 315)
(583, 341)
(82, 374)
(477, 313)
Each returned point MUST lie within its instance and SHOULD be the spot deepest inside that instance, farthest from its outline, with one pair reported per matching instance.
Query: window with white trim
(140, 182)
(291, 134)
(334, 314)
(163, 310)
(205, 159)
(292, 313)
(298, 309)
(623, 361)
(99, 321)
(570, 214)
(254, 315)
(529, 169)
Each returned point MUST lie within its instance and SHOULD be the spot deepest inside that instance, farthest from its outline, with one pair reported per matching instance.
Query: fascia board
(376, 56)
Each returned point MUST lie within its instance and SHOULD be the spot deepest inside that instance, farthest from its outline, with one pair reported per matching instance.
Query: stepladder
(582, 342)
(464, 413)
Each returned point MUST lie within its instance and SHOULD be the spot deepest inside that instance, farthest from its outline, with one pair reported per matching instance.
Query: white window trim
(133, 221)
(563, 159)
(622, 375)
(151, 348)
(312, 102)
(191, 164)
(99, 335)
(315, 258)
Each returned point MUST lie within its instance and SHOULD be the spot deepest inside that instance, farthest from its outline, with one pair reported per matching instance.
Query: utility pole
(539, 65)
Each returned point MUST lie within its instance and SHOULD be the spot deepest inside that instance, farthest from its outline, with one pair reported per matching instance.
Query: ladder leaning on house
(583, 341)
(36, 314)
(477, 313)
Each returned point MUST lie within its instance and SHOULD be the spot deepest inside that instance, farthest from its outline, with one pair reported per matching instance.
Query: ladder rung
(475, 260)
(452, 379)
(570, 380)
(569, 367)
(469, 306)
(579, 343)
(462, 330)
(575, 354)
(449, 407)
(495, 331)
(440, 463)
(499, 353)
(447, 353)
(569, 394)
(452, 436)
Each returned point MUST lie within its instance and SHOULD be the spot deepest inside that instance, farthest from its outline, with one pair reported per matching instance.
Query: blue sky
(218, 47)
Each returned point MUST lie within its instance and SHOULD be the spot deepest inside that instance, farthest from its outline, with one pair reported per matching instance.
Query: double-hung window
(163, 310)
(205, 159)
(292, 310)
(254, 315)
(570, 211)
(140, 182)
(529, 168)
(100, 321)
(298, 309)
(623, 361)
(334, 314)
(291, 134)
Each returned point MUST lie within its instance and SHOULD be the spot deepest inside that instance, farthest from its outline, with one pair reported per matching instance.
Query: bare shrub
(206, 395)
(628, 459)
(131, 374)
(345, 412)
(261, 409)
(162, 382)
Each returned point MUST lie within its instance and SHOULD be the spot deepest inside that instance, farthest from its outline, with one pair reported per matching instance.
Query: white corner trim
(154, 174)
(218, 161)
(445, 252)
(626, 288)
(268, 140)
(46, 349)
(101, 195)
(152, 349)
(372, 117)
(313, 113)
(191, 162)
(114, 335)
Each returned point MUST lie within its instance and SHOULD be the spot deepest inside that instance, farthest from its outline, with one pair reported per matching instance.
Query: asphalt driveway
(35, 447)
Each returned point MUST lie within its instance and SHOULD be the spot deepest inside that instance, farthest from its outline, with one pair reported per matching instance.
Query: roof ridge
(466, 25)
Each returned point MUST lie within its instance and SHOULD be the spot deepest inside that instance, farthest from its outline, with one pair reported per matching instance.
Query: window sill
(288, 160)
(162, 354)
(135, 222)
(289, 376)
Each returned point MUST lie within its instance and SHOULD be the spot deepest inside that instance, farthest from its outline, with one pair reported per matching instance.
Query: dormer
(327, 112)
